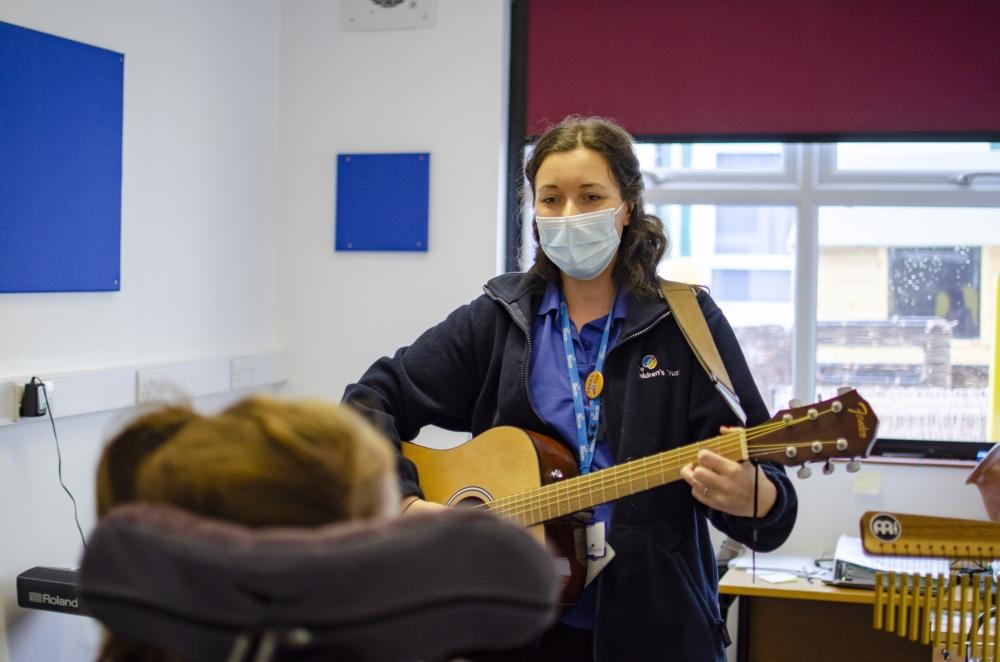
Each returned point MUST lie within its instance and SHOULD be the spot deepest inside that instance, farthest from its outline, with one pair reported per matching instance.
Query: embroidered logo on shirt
(648, 369)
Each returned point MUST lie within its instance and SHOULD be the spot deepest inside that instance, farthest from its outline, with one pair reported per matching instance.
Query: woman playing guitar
(583, 348)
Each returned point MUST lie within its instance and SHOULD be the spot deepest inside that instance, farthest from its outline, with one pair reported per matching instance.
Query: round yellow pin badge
(594, 385)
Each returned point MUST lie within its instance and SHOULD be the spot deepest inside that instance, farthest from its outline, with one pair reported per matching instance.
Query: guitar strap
(682, 299)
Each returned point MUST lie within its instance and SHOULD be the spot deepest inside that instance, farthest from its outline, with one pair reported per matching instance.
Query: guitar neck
(584, 492)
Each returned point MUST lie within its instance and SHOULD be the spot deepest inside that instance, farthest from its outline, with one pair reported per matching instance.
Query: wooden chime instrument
(955, 614)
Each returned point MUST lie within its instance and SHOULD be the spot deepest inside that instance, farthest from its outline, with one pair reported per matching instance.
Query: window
(917, 157)
(901, 301)
(866, 264)
(711, 157)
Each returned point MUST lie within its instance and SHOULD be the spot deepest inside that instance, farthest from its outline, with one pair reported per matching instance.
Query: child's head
(262, 462)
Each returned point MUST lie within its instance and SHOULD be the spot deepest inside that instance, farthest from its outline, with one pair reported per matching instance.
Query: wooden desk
(811, 621)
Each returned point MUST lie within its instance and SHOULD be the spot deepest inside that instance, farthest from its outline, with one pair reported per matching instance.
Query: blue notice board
(60, 164)
(382, 202)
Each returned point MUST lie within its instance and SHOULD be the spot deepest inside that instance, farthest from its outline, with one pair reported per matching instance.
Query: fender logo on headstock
(859, 414)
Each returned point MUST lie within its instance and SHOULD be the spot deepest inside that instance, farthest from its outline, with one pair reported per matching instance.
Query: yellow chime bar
(881, 585)
(931, 588)
(988, 609)
(915, 607)
(938, 616)
(917, 617)
(949, 642)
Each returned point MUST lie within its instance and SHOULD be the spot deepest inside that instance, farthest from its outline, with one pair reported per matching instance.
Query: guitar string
(640, 469)
(534, 501)
(656, 464)
(538, 501)
(555, 496)
(731, 441)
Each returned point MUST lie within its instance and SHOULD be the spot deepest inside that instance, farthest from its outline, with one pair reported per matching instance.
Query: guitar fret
(579, 501)
(562, 493)
(663, 473)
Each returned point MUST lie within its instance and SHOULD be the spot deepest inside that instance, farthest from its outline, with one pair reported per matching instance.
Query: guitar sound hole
(469, 502)
(470, 497)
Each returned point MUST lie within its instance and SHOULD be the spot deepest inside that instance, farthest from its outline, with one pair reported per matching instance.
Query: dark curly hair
(643, 242)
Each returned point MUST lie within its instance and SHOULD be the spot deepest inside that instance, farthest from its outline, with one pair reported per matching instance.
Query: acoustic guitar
(533, 480)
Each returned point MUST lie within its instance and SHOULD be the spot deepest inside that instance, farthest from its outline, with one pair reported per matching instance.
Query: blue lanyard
(586, 430)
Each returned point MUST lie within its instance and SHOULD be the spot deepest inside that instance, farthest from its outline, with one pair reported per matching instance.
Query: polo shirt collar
(550, 302)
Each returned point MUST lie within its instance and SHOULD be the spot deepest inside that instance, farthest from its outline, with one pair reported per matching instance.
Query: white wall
(198, 261)
(440, 90)
(828, 505)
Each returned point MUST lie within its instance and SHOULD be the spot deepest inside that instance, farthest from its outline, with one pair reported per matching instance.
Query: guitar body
(503, 462)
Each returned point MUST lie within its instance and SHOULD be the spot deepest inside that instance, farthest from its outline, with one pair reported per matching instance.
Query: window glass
(748, 230)
(747, 285)
(706, 157)
(917, 157)
(745, 254)
(905, 312)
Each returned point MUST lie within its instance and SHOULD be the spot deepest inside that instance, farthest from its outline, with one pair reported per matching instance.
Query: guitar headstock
(844, 426)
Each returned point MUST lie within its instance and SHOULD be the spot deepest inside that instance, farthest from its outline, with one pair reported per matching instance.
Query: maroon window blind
(770, 68)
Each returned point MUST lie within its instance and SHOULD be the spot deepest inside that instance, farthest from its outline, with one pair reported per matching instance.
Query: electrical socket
(153, 389)
(243, 372)
(18, 392)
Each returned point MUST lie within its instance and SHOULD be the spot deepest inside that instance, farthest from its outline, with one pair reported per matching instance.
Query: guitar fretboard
(584, 492)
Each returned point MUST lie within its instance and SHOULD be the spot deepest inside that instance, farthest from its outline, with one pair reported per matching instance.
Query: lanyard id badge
(599, 552)
(586, 426)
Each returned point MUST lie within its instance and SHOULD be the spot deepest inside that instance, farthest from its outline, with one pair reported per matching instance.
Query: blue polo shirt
(552, 396)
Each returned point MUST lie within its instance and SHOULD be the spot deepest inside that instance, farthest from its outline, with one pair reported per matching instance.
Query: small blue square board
(382, 202)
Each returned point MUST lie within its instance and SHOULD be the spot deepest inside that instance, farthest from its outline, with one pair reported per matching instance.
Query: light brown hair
(127, 450)
(266, 462)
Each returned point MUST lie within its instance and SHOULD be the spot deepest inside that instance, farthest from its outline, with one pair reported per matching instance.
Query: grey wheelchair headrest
(423, 586)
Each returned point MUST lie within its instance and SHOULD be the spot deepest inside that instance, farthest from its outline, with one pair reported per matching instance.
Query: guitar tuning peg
(853, 466)
(844, 389)
(794, 402)
(804, 472)
(828, 468)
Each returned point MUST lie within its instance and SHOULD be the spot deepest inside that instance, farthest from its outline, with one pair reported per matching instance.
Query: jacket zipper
(622, 341)
(527, 338)
(604, 426)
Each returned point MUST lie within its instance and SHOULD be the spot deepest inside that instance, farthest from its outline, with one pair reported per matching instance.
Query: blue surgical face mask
(582, 246)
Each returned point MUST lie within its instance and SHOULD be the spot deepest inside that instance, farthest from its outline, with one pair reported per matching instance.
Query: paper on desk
(774, 562)
(776, 577)
(851, 550)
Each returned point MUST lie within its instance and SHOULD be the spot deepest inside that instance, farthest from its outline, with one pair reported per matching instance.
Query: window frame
(829, 176)
(729, 179)
(807, 183)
